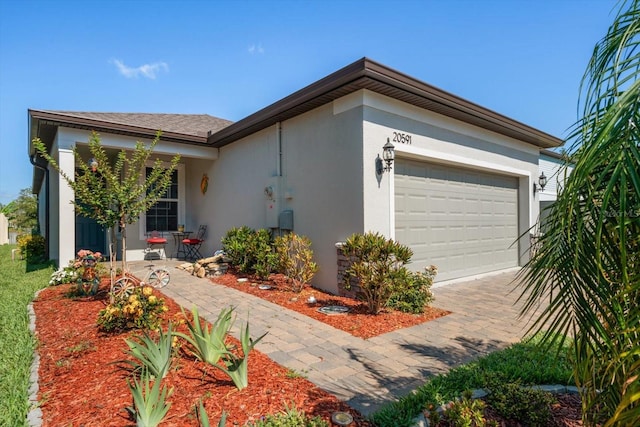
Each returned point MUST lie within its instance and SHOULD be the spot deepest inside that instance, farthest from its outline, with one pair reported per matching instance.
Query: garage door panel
(463, 221)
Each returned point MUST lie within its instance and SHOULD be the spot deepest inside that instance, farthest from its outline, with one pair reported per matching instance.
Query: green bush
(374, 262)
(412, 291)
(250, 251)
(32, 247)
(526, 405)
(68, 274)
(295, 259)
(291, 417)
(466, 412)
(234, 244)
(260, 247)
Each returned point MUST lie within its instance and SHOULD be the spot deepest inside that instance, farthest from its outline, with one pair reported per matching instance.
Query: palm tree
(588, 264)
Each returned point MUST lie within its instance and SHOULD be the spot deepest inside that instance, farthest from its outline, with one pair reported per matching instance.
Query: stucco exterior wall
(313, 164)
(439, 139)
(236, 186)
(556, 174)
(322, 174)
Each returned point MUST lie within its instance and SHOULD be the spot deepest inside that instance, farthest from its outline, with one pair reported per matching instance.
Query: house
(459, 191)
(4, 230)
(554, 168)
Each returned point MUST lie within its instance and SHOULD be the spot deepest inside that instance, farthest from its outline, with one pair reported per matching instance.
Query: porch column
(66, 210)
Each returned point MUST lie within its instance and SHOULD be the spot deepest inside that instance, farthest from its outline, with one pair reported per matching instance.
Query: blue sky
(523, 59)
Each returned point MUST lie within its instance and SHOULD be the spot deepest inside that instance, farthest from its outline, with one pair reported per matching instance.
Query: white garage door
(461, 220)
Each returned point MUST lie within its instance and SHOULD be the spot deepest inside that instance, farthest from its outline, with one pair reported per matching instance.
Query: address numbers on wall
(402, 138)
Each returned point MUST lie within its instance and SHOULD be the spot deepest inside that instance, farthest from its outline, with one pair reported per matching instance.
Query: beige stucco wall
(556, 174)
(318, 177)
(436, 138)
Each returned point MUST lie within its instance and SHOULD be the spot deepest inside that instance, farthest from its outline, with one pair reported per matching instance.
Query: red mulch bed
(81, 383)
(357, 321)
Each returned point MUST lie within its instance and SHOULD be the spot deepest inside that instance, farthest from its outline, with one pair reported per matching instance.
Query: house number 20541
(402, 138)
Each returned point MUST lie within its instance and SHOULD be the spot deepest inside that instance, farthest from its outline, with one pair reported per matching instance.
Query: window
(166, 213)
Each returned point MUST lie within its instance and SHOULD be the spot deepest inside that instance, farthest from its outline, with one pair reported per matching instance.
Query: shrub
(261, 249)
(291, 417)
(32, 247)
(250, 251)
(412, 291)
(295, 259)
(527, 405)
(73, 272)
(68, 274)
(465, 412)
(234, 244)
(140, 310)
(374, 261)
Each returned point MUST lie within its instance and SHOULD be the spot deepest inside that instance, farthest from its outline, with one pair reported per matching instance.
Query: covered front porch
(180, 208)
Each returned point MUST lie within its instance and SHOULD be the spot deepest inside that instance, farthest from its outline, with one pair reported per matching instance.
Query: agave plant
(588, 265)
(150, 404)
(236, 367)
(152, 357)
(203, 417)
(207, 343)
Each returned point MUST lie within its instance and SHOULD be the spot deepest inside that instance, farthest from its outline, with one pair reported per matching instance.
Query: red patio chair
(155, 239)
(192, 245)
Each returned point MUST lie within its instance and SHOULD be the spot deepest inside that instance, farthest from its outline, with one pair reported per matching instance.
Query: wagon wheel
(123, 287)
(159, 278)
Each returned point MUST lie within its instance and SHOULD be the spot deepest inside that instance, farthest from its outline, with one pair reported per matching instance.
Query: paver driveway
(368, 373)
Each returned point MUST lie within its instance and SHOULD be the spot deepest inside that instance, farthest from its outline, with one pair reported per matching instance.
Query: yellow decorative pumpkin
(204, 184)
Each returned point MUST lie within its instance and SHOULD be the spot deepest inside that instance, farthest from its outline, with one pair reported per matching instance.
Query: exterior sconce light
(93, 164)
(542, 182)
(388, 154)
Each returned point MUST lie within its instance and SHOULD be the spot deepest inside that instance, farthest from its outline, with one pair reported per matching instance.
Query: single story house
(556, 171)
(459, 191)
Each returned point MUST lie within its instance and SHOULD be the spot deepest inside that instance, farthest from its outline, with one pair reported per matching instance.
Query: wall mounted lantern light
(93, 164)
(542, 182)
(388, 154)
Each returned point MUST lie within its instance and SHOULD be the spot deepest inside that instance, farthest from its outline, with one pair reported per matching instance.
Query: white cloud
(256, 49)
(147, 70)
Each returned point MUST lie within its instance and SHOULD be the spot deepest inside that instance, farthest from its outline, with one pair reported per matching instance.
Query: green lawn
(18, 283)
(523, 362)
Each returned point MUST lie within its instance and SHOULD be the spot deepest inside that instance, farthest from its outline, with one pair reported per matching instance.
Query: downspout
(44, 168)
(279, 147)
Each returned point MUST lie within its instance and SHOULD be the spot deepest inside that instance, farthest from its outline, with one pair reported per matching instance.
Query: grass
(523, 362)
(18, 283)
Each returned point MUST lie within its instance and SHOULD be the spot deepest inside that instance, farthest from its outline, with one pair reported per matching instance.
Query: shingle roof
(187, 124)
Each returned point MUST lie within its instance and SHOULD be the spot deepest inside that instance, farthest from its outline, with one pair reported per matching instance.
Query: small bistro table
(178, 237)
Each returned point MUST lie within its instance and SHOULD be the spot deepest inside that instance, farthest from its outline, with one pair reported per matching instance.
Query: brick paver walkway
(368, 373)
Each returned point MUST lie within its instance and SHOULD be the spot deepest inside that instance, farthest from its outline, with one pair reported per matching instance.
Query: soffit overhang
(370, 75)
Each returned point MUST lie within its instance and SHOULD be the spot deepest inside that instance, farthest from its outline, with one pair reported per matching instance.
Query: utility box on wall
(272, 201)
(285, 220)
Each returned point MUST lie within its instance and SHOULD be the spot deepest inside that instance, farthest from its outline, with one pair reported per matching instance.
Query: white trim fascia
(365, 97)
(123, 142)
